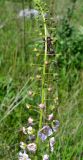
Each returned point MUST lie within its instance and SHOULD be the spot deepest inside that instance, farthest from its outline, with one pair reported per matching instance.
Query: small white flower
(22, 145)
(30, 130)
(32, 147)
(23, 156)
(24, 130)
(52, 142)
(46, 157)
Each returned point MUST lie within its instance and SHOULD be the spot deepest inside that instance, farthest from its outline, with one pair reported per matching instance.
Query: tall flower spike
(45, 132)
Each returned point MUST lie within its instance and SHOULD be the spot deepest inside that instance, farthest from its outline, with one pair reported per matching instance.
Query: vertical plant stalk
(44, 70)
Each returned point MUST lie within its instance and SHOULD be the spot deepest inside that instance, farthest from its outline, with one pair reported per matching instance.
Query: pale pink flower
(50, 117)
(46, 157)
(32, 147)
(42, 106)
(30, 121)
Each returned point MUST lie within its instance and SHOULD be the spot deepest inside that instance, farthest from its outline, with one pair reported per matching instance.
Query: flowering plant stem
(44, 69)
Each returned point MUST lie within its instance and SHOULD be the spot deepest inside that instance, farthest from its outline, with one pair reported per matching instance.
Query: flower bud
(24, 130)
(30, 121)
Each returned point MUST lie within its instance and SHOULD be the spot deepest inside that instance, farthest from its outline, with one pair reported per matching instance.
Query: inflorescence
(29, 147)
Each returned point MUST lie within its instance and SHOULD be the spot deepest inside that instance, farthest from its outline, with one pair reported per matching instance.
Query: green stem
(44, 71)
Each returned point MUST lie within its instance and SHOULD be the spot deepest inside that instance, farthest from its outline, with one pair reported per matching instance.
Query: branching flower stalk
(45, 131)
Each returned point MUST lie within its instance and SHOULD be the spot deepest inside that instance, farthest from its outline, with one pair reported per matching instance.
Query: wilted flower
(42, 106)
(50, 117)
(22, 145)
(23, 156)
(46, 157)
(56, 125)
(24, 130)
(30, 130)
(52, 142)
(30, 121)
(45, 132)
(32, 147)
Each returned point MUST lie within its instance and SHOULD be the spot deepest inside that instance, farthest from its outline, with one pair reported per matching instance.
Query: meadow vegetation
(41, 80)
